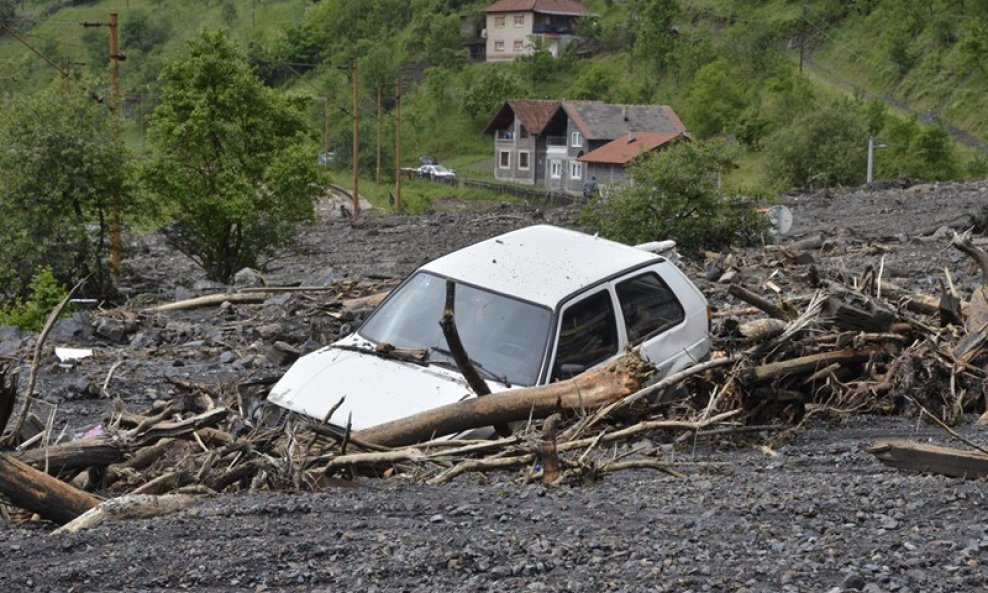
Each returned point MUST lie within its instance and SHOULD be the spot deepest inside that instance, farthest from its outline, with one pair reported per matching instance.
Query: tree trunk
(589, 390)
(36, 491)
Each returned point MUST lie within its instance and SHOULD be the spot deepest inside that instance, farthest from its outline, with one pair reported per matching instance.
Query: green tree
(653, 34)
(230, 159)
(60, 168)
(823, 147)
(674, 194)
(715, 100)
(484, 94)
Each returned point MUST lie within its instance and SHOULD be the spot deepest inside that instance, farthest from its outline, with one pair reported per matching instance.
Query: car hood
(376, 389)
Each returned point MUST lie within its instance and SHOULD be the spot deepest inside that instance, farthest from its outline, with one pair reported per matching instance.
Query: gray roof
(606, 121)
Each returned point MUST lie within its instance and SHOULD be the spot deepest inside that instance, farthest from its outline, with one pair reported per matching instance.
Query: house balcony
(555, 141)
(505, 136)
(552, 29)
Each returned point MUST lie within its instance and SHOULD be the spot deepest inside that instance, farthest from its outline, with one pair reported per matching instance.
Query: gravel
(815, 512)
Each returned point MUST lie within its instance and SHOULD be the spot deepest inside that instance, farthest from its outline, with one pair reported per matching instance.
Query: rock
(248, 277)
(281, 353)
(183, 294)
(853, 581)
(322, 279)
(227, 357)
(10, 339)
(112, 329)
(75, 328)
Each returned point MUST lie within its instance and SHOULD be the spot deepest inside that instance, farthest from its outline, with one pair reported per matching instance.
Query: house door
(554, 174)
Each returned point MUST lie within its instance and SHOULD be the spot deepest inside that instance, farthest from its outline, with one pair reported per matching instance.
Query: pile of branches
(824, 343)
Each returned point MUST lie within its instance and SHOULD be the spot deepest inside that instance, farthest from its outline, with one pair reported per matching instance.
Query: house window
(556, 169)
(577, 139)
(504, 159)
(523, 163)
(576, 170)
(519, 20)
(499, 21)
(519, 45)
(498, 46)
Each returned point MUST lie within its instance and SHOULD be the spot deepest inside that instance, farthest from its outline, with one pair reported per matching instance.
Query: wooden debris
(922, 457)
(131, 506)
(36, 491)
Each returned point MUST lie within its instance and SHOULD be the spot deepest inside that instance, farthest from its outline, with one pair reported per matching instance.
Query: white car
(437, 172)
(532, 306)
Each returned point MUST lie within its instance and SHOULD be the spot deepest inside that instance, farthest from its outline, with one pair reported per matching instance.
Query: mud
(814, 512)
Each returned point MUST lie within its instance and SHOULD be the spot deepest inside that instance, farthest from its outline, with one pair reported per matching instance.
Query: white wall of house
(508, 35)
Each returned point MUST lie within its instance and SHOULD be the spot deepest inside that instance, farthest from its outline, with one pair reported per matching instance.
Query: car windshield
(505, 336)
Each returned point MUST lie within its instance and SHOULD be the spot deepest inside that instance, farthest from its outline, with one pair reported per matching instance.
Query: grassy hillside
(729, 69)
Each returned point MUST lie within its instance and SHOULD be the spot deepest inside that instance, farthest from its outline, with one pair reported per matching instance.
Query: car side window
(587, 335)
(648, 306)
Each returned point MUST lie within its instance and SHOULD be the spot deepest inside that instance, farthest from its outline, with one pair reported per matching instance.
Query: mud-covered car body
(532, 306)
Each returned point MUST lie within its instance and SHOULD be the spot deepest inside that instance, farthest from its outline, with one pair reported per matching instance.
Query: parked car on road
(532, 306)
(437, 172)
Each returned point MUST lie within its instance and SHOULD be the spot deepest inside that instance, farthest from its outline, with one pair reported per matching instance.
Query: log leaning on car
(590, 390)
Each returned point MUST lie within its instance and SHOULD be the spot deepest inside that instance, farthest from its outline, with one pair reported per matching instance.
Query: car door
(653, 318)
(586, 334)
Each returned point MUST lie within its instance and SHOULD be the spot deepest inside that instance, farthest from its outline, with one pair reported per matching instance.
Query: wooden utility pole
(377, 174)
(356, 142)
(398, 145)
(115, 109)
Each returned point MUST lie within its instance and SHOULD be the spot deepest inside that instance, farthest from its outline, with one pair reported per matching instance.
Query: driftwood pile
(821, 343)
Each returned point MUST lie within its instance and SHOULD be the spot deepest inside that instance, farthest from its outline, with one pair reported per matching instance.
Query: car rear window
(648, 306)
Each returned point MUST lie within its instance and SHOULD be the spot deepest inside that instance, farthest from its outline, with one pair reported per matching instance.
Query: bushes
(675, 195)
(30, 313)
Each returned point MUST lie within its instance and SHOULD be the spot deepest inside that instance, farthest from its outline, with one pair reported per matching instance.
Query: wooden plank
(921, 457)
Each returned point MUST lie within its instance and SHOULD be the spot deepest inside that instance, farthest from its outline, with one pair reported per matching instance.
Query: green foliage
(538, 66)
(598, 82)
(486, 92)
(674, 195)
(823, 147)
(652, 32)
(231, 160)
(916, 151)
(715, 100)
(30, 312)
(60, 169)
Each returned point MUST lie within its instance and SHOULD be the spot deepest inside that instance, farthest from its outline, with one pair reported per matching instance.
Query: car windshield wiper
(386, 350)
(452, 364)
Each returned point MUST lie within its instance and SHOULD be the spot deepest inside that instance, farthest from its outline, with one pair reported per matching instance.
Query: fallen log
(37, 492)
(771, 309)
(921, 457)
(131, 506)
(76, 455)
(589, 390)
(795, 366)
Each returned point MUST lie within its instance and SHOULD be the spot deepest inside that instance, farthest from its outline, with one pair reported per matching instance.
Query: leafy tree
(61, 167)
(139, 31)
(674, 195)
(484, 94)
(652, 31)
(539, 65)
(715, 100)
(230, 160)
(823, 147)
(595, 83)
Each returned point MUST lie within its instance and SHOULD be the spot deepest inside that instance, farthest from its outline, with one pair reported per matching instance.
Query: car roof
(542, 263)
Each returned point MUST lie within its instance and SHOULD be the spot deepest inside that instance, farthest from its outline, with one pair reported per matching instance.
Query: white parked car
(437, 172)
(532, 306)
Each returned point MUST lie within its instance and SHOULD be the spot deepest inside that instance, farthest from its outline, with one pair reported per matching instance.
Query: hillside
(729, 69)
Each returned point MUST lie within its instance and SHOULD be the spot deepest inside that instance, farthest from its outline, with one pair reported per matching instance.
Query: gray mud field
(804, 510)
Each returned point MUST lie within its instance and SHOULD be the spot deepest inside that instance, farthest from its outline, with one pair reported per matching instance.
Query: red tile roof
(629, 146)
(570, 7)
(534, 114)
